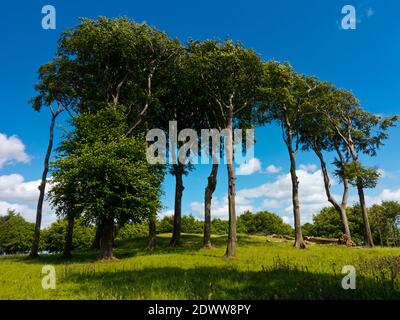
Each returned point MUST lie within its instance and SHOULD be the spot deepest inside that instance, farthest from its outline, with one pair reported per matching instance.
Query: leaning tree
(283, 97)
(360, 132)
(317, 135)
(56, 91)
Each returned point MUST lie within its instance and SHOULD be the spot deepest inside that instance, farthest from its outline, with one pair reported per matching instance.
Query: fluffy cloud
(165, 213)
(311, 167)
(278, 193)
(275, 195)
(219, 207)
(14, 188)
(12, 150)
(273, 169)
(249, 167)
(384, 195)
(22, 196)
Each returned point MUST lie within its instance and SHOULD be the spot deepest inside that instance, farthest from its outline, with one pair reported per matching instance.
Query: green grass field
(264, 269)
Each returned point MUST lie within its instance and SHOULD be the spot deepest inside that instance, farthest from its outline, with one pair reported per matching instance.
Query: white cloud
(219, 207)
(249, 167)
(12, 150)
(272, 204)
(29, 212)
(273, 169)
(278, 193)
(287, 220)
(385, 195)
(275, 195)
(310, 167)
(165, 213)
(13, 187)
(22, 196)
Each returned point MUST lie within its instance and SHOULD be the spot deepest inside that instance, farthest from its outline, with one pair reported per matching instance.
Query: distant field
(264, 269)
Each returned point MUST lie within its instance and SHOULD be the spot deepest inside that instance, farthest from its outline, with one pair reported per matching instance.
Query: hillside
(265, 268)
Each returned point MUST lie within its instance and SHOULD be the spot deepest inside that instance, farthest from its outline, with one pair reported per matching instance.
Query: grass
(264, 269)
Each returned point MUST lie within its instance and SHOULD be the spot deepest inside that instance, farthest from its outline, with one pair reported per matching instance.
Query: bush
(191, 225)
(327, 224)
(16, 233)
(165, 225)
(263, 223)
(308, 229)
(133, 230)
(219, 226)
(53, 237)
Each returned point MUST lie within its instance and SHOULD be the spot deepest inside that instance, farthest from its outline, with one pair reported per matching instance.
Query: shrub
(165, 225)
(16, 233)
(53, 237)
(263, 222)
(133, 230)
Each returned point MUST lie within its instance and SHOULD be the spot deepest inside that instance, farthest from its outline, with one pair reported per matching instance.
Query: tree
(55, 236)
(166, 224)
(122, 62)
(181, 102)
(152, 232)
(263, 222)
(56, 93)
(360, 132)
(66, 198)
(15, 233)
(119, 61)
(316, 134)
(231, 75)
(385, 222)
(283, 95)
(327, 223)
(208, 193)
(110, 171)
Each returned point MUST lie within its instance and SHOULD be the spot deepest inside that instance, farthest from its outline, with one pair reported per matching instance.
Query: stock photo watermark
(49, 278)
(349, 21)
(190, 146)
(49, 18)
(349, 280)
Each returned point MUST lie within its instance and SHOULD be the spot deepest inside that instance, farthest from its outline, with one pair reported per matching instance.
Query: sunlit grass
(263, 269)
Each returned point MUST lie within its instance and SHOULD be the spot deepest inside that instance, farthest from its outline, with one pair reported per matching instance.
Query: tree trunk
(380, 235)
(341, 209)
(152, 233)
(106, 242)
(68, 238)
(231, 243)
(345, 221)
(176, 234)
(208, 193)
(299, 241)
(97, 237)
(395, 242)
(367, 229)
(42, 188)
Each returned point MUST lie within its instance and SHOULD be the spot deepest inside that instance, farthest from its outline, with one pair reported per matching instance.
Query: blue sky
(305, 33)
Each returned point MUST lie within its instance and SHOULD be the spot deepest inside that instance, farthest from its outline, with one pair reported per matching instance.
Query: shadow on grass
(129, 248)
(277, 282)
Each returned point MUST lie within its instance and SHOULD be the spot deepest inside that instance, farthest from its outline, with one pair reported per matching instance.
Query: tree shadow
(277, 282)
(125, 249)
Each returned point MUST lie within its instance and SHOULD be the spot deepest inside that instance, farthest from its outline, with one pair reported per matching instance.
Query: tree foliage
(15, 233)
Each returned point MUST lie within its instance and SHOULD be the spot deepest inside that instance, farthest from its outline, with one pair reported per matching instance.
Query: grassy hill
(265, 268)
